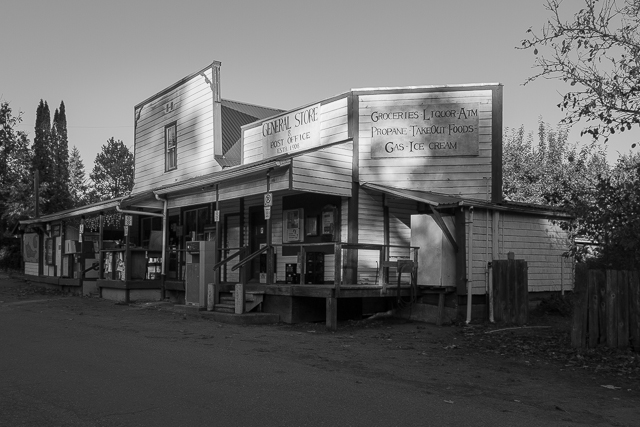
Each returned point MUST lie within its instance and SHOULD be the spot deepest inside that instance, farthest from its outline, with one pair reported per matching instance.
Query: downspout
(164, 239)
(470, 265)
(494, 256)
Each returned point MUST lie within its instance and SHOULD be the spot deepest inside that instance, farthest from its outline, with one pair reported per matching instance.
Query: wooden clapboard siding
(334, 119)
(344, 220)
(191, 199)
(466, 176)
(256, 184)
(333, 128)
(370, 230)
(193, 113)
(400, 211)
(252, 145)
(482, 249)
(541, 243)
(326, 171)
(229, 206)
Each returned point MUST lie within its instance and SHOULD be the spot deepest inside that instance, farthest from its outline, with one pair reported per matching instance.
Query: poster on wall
(48, 251)
(434, 128)
(31, 241)
(292, 226)
(328, 221)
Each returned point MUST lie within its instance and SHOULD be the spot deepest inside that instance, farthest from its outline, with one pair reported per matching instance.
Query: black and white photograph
(338, 213)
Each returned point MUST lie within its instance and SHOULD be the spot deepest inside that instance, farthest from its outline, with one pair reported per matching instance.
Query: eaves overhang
(70, 213)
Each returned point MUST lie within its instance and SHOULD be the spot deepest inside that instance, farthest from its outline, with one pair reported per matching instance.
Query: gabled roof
(234, 115)
(256, 111)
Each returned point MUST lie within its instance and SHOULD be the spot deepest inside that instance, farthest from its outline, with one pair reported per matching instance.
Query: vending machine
(199, 272)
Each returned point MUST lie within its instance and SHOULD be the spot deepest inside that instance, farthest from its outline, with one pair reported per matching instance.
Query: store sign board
(295, 131)
(433, 129)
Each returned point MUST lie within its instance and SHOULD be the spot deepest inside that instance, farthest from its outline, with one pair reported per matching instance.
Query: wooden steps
(227, 302)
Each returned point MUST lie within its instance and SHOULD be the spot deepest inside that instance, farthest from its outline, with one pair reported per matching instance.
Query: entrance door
(257, 238)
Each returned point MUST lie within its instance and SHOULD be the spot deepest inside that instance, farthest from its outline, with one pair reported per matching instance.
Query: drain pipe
(494, 256)
(470, 265)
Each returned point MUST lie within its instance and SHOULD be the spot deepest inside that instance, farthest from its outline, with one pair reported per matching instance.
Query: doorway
(257, 238)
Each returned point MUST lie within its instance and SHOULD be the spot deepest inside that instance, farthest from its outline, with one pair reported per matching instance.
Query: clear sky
(104, 57)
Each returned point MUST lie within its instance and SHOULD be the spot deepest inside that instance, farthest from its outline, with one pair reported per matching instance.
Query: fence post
(634, 310)
(623, 309)
(593, 308)
(612, 312)
(579, 325)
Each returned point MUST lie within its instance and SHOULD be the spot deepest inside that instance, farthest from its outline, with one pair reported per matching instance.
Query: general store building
(371, 200)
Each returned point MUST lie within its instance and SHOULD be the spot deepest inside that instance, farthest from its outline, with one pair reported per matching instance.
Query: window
(194, 222)
(171, 146)
(147, 226)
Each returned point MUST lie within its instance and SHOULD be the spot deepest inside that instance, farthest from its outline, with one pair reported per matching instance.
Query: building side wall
(535, 239)
(193, 113)
(541, 243)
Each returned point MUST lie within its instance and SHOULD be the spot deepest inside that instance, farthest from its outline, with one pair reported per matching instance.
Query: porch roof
(84, 210)
(439, 200)
(198, 183)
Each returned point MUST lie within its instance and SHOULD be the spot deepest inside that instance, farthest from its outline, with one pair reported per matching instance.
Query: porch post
(217, 244)
(100, 247)
(332, 313)
(269, 239)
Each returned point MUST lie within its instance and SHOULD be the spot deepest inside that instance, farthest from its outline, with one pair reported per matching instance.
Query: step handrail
(227, 259)
(250, 257)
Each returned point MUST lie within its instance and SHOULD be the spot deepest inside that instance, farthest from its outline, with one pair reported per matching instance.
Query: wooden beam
(438, 219)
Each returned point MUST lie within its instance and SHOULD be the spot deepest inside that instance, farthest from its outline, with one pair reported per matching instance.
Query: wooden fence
(606, 309)
(511, 291)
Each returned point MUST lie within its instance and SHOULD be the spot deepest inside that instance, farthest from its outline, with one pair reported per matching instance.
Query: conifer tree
(112, 173)
(43, 155)
(78, 187)
(61, 195)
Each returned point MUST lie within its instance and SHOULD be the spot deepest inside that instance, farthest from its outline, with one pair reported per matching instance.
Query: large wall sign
(428, 130)
(296, 131)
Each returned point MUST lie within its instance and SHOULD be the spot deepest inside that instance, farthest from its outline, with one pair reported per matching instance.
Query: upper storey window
(171, 147)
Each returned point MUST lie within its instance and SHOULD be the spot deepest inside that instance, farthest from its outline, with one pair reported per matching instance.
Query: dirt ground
(528, 369)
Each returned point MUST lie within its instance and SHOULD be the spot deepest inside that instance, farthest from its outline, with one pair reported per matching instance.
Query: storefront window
(194, 224)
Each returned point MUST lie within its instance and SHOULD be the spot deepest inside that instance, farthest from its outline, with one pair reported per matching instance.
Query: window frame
(171, 152)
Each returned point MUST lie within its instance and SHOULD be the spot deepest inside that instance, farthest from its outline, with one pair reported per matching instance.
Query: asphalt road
(72, 361)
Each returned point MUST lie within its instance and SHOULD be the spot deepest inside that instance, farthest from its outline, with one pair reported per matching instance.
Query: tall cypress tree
(43, 155)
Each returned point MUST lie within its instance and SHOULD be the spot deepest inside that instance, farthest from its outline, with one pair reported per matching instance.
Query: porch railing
(384, 264)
